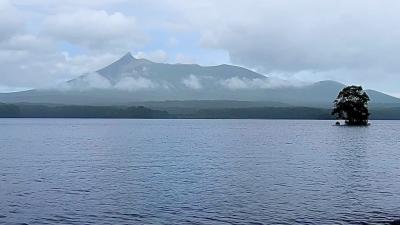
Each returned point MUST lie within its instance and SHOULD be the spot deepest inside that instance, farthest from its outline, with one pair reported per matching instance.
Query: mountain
(134, 81)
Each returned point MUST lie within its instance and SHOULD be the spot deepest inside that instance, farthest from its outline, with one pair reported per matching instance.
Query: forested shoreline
(74, 111)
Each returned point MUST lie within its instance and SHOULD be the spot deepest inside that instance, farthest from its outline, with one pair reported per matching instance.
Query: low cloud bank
(90, 81)
(192, 82)
(236, 83)
(97, 81)
(133, 84)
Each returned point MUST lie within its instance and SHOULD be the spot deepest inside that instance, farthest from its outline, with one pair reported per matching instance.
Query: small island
(351, 105)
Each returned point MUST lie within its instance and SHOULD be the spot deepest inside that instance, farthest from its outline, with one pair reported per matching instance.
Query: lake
(95, 171)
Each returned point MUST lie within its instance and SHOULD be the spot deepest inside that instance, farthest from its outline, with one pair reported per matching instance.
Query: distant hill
(129, 81)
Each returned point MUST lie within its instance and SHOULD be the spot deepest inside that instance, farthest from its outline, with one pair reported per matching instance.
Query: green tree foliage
(351, 105)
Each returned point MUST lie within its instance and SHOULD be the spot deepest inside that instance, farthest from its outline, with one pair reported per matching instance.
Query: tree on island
(351, 105)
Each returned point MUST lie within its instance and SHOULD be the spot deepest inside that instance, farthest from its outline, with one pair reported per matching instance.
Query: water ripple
(198, 172)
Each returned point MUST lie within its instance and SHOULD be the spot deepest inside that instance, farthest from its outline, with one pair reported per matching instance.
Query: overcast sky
(44, 42)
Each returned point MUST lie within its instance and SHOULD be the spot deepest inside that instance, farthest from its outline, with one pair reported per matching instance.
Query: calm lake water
(78, 171)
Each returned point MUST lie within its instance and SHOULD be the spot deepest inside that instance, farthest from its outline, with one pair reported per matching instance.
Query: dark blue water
(71, 171)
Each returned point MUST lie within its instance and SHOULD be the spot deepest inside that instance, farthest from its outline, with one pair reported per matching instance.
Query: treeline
(42, 111)
(265, 113)
(287, 113)
(51, 111)
(9, 111)
(385, 114)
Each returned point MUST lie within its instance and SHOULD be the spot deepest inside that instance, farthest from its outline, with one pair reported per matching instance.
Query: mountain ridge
(128, 80)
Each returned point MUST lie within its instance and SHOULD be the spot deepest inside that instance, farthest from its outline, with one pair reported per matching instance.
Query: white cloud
(96, 81)
(5, 89)
(301, 35)
(159, 56)
(30, 52)
(84, 63)
(28, 42)
(10, 20)
(87, 82)
(192, 82)
(236, 83)
(95, 29)
(396, 94)
(288, 36)
(135, 83)
(350, 41)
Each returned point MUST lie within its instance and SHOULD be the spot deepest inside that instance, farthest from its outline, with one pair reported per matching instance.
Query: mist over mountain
(130, 80)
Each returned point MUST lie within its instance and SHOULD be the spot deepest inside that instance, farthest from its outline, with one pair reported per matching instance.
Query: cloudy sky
(44, 42)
